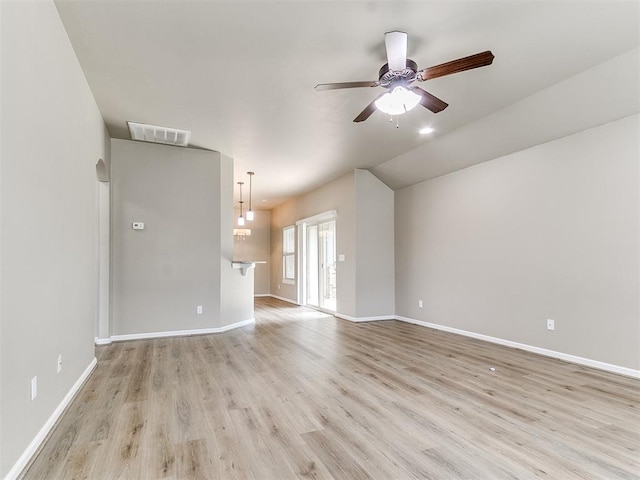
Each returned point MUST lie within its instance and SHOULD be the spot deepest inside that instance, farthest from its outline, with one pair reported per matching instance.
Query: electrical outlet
(33, 393)
(199, 309)
(59, 363)
(278, 286)
(419, 303)
(551, 324)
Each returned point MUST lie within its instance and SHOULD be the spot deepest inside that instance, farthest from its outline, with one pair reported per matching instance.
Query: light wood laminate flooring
(304, 395)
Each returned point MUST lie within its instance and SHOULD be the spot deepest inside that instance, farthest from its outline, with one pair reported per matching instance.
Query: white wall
(52, 136)
(548, 232)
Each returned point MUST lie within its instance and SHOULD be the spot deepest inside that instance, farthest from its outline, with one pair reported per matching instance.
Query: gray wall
(257, 247)
(52, 136)
(375, 273)
(336, 195)
(236, 291)
(161, 273)
(364, 234)
(548, 232)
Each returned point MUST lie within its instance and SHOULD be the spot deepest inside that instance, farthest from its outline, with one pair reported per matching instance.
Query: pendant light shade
(250, 214)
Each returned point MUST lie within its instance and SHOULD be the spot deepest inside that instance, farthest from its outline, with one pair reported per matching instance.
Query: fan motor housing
(386, 77)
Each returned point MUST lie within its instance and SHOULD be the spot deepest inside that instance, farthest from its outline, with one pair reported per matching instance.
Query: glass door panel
(320, 265)
(312, 273)
(327, 260)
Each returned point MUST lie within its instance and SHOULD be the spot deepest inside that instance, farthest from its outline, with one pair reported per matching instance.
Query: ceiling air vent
(155, 134)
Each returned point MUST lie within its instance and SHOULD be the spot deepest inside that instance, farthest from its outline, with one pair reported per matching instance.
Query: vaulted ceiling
(240, 75)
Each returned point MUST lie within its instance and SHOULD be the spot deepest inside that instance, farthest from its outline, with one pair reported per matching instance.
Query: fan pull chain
(397, 120)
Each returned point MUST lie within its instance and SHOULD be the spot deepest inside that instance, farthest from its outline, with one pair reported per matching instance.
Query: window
(289, 254)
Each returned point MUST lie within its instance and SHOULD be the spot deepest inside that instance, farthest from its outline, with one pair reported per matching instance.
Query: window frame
(291, 253)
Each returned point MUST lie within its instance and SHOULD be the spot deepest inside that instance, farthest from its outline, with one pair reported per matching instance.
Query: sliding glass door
(313, 267)
(320, 265)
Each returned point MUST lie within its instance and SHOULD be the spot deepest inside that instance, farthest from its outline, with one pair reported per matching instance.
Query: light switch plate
(138, 225)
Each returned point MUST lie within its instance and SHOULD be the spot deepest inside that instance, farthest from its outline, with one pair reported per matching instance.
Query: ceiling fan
(400, 72)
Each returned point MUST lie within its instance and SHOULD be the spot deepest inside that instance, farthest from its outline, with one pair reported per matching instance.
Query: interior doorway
(319, 263)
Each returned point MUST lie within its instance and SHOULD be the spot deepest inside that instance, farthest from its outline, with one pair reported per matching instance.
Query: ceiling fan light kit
(400, 72)
(399, 101)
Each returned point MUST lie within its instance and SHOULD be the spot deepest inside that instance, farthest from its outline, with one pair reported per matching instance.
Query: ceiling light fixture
(241, 217)
(241, 233)
(426, 130)
(399, 101)
(250, 211)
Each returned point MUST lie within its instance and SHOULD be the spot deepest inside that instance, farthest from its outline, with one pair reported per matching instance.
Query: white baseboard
(288, 300)
(364, 319)
(587, 362)
(262, 295)
(181, 333)
(24, 459)
(103, 341)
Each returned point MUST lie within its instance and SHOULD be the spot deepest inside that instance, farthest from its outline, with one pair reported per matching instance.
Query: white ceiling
(240, 75)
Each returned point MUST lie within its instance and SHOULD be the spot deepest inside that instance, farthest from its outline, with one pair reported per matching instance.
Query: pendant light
(250, 211)
(241, 218)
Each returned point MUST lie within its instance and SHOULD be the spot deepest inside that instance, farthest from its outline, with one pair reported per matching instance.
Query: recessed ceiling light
(155, 134)
(263, 200)
(426, 130)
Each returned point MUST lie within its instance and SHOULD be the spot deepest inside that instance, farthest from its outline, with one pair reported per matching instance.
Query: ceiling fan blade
(335, 86)
(368, 110)
(396, 44)
(460, 65)
(429, 101)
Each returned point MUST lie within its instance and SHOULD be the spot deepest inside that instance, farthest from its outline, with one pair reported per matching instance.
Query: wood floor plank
(334, 455)
(303, 395)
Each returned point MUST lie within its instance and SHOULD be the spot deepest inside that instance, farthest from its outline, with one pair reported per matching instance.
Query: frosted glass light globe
(399, 101)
